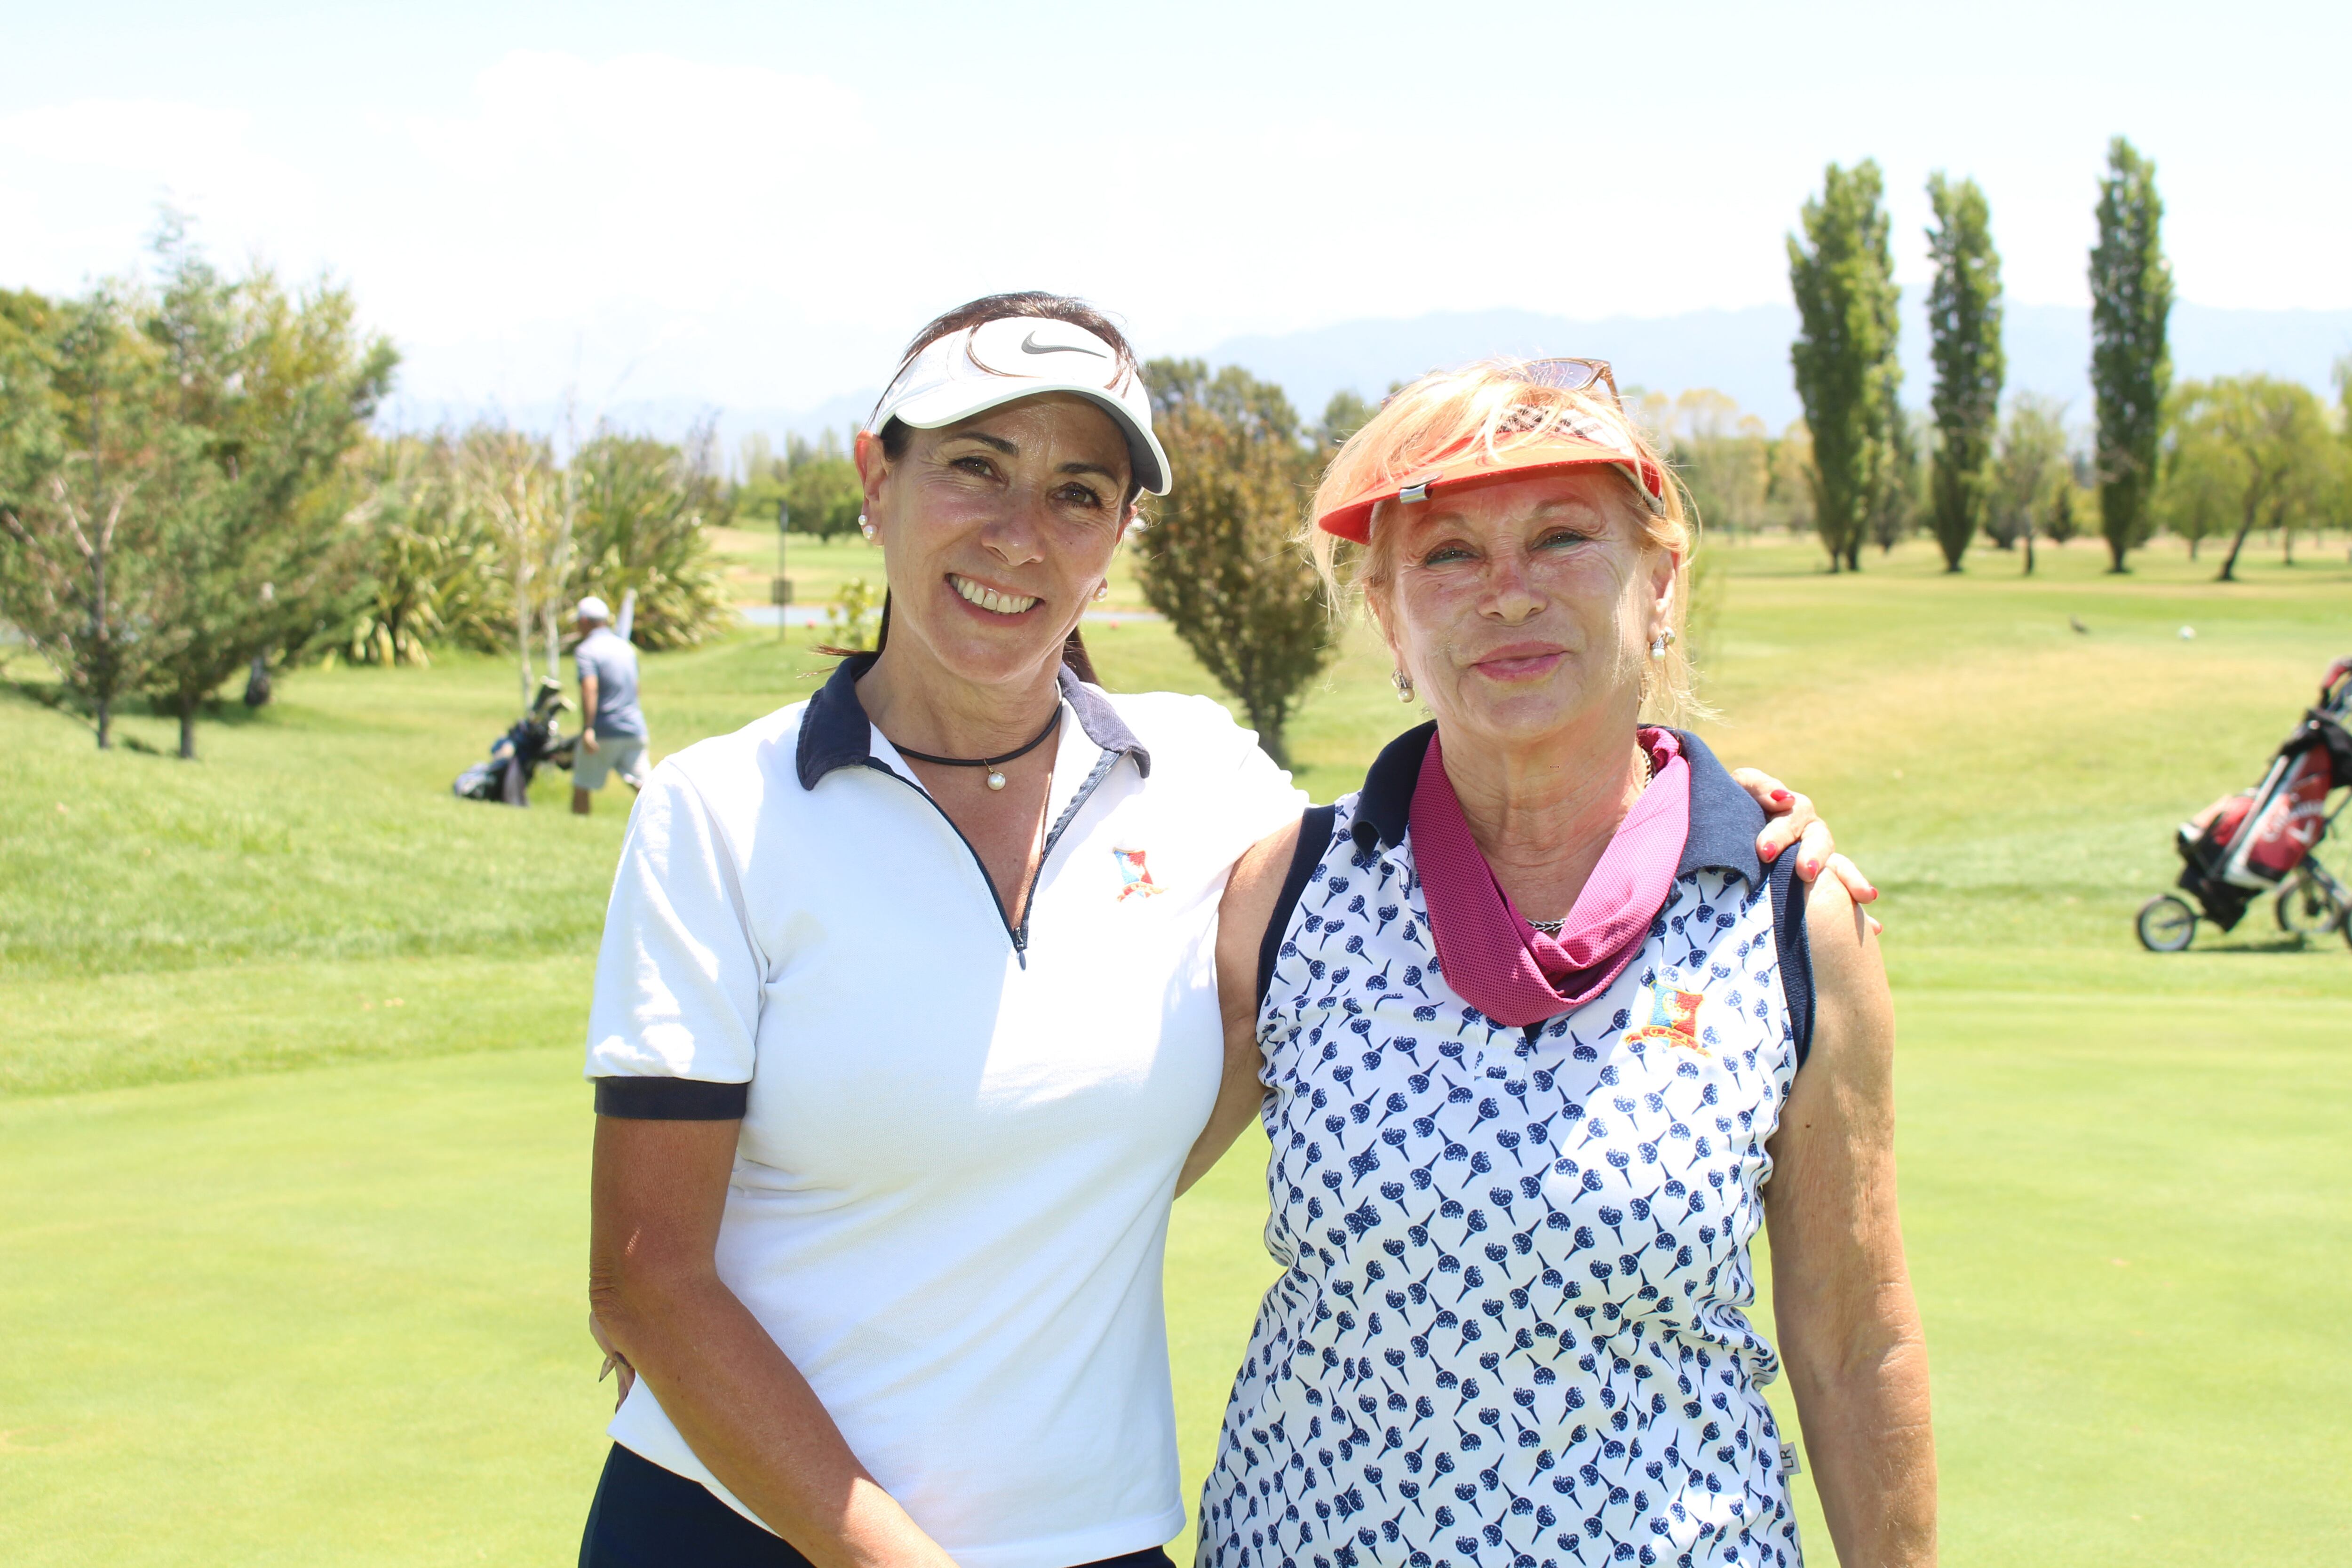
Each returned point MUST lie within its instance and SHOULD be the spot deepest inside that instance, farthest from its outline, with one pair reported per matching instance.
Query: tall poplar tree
(2131, 364)
(1964, 313)
(1842, 273)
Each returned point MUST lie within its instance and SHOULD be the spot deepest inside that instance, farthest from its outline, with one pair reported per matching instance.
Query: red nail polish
(1781, 797)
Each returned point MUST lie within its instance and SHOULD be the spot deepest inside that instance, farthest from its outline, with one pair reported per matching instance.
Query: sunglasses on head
(1573, 374)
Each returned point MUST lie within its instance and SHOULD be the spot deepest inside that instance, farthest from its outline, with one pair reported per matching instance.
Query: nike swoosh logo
(1030, 345)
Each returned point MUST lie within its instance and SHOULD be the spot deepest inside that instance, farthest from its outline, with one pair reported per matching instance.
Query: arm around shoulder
(1849, 1325)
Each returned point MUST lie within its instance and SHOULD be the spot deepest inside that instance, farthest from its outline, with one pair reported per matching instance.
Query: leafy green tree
(265, 395)
(1343, 416)
(1907, 502)
(1963, 313)
(512, 479)
(2131, 361)
(820, 484)
(1722, 457)
(2251, 450)
(853, 621)
(1788, 492)
(431, 561)
(2344, 431)
(2199, 497)
(2064, 515)
(1842, 273)
(751, 499)
(1220, 558)
(2028, 465)
(79, 386)
(641, 505)
(817, 479)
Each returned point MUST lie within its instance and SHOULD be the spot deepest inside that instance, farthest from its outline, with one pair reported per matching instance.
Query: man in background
(613, 732)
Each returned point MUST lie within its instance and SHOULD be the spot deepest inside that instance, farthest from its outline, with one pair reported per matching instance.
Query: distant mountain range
(1744, 353)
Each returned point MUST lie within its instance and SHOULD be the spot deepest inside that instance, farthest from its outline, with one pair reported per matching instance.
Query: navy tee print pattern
(1510, 1332)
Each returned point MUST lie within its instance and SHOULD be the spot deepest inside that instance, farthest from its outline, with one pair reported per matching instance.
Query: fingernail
(1770, 853)
(1811, 867)
(1779, 795)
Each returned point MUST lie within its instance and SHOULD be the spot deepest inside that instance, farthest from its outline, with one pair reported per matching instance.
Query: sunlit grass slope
(332, 1315)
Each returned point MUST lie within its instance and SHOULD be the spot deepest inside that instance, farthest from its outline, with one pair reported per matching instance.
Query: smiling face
(996, 532)
(1522, 611)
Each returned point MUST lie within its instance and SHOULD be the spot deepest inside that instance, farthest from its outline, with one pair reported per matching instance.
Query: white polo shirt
(959, 1140)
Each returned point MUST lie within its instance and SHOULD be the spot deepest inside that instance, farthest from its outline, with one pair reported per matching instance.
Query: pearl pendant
(996, 779)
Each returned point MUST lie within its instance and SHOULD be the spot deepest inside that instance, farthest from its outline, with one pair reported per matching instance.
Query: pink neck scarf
(1500, 965)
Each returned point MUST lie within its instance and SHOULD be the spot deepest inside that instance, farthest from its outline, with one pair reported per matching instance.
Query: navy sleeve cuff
(671, 1100)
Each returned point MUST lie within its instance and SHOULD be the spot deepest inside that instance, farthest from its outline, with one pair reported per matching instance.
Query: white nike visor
(1012, 357)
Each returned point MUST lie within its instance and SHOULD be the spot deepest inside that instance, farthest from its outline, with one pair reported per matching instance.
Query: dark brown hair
(1039, 306)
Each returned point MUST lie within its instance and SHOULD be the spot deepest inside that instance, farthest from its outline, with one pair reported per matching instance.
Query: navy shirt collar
(1725, 818)
(836, 733)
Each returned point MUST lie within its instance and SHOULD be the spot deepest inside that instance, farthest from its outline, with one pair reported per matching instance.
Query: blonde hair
(1494, 404)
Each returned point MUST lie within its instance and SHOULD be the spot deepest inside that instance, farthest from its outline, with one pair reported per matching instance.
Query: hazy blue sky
(754, 204)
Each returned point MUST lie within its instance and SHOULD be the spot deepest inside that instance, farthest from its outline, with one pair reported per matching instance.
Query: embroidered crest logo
(1135, 874)
(1673, 1019)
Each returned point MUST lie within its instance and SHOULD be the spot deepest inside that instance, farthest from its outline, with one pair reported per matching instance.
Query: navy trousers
(646, 1517)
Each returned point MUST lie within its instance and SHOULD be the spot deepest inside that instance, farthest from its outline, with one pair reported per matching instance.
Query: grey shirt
(613, 663)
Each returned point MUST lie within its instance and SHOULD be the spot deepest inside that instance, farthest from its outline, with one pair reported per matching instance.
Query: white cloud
(137, 155)
(626, 225)
(172, 141)
(646, 176)
(640, 225)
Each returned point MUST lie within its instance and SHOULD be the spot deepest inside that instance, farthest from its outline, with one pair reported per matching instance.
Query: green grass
(330, 1315)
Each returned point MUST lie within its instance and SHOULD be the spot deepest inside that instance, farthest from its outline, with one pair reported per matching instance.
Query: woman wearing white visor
(905, 1021)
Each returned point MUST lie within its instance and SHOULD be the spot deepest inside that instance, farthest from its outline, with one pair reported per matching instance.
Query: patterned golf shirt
(1510, 1331)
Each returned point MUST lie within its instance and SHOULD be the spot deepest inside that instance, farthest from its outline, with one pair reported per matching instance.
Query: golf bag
(2262, 841)
(516, 756)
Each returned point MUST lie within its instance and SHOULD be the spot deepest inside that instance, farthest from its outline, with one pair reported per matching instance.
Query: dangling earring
(864, 527)
(1102, 591)
(1658, 646)
(1403, 684)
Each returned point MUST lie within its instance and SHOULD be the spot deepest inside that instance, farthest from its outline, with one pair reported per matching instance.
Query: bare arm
(1841, 1291)
(1248, 904)
(588, 713)
(657, 1194)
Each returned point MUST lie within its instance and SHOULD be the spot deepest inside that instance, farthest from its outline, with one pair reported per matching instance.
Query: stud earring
(1403, 684)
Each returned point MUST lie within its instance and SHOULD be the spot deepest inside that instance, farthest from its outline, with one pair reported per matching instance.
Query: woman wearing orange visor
(1540, 1043)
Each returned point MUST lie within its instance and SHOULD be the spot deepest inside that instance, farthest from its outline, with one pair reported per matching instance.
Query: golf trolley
(517, 754)
(2261, 842)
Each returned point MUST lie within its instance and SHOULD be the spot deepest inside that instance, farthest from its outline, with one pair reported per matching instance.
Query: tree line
(2203, 459)
(190, 491)
(1219, 558)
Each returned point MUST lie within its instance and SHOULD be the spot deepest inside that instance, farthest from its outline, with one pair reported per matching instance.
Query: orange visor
(1576, 445)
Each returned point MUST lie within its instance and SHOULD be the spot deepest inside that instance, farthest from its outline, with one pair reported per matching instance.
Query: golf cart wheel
(2166, 924)
(2307, 907)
